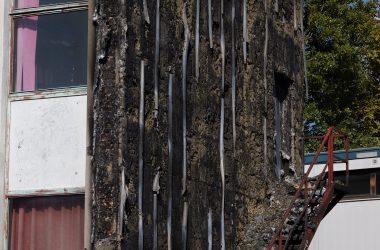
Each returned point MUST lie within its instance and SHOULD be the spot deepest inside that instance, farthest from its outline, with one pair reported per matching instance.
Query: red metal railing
(328, 139)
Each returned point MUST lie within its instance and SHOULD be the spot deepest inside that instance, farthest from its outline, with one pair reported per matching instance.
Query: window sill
(356, 198)
(50, 93)
(50, 9)
(45, 192)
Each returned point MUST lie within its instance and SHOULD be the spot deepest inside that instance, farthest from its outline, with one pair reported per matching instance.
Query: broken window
(50, 44)
(282, 122)
(361, 182)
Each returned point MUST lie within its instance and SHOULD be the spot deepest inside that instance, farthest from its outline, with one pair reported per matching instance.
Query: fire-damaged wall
(197, 122)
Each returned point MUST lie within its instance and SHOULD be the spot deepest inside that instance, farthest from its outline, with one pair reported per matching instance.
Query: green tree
(343, 59)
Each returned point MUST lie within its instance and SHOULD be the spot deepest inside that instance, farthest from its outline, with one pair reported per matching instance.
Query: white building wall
(350, 225)
(357, 164)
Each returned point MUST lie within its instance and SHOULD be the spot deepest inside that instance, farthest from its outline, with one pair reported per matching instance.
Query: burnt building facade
(196, 123)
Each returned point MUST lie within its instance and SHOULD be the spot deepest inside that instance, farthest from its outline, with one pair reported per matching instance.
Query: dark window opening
(281, 122)
(361, 182)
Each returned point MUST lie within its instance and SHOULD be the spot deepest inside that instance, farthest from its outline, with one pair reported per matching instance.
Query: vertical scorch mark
(170, 167)
(156, 61)
(209, 9)
(209, 229)
(141, 154)
(265, 83)
(184, 129)
(197, 41)
(146, 14)
(156, 190)
(233, 78)
(221, 135)
(245, 32)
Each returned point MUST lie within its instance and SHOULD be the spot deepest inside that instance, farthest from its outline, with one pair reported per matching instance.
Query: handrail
(319, 179)
(329, 139)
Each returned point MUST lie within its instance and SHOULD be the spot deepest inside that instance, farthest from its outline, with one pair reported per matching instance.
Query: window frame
(372, 173)
(78, 5)
(56, 197)
(49, 9)
(7, 96)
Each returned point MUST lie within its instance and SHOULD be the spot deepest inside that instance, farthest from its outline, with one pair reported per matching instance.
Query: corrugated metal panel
(350, 225)
(46, 223)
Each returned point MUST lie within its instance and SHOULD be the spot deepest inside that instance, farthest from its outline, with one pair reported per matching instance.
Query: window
(49, 44)
(55, 222)
(48, 52)
(361, 182)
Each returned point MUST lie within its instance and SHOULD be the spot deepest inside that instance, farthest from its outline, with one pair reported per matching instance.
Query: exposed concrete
(254, 196)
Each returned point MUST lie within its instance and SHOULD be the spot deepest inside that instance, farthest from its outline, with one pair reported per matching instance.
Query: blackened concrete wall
(253, 192)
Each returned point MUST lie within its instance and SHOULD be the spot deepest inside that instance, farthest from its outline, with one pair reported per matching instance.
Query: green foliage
(343, 59)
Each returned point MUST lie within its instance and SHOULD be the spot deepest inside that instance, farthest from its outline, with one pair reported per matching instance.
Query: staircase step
(339, 187)
(294, 247)
(295, 234)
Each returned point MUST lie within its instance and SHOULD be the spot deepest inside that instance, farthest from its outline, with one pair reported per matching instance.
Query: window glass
(37, 3)
(50, 51)
(359, 184)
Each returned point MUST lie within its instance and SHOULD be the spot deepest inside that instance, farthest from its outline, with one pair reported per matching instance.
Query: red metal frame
(328, 138)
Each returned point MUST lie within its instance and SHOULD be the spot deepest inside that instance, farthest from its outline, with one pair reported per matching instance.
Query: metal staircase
(314, 198)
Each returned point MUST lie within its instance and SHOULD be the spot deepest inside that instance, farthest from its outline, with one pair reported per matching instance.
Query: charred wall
(225, 168)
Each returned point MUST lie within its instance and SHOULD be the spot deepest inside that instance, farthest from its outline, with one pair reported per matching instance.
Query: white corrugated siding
(350, 225)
